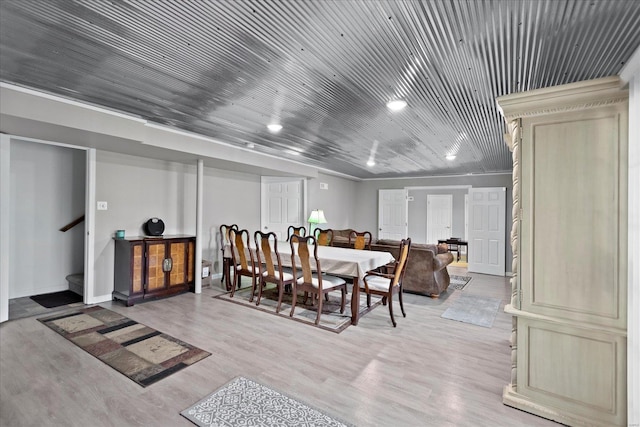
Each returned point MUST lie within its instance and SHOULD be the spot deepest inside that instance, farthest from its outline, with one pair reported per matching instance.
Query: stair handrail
(72, 224)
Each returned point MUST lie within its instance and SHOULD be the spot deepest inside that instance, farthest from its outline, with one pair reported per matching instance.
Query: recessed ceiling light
(451, 157)
(251, 145)
(274, 127)
(371, 163)
(396, 105)
(294, 152)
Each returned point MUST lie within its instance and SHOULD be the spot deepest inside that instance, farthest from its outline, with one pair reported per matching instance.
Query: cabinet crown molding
(563, 98)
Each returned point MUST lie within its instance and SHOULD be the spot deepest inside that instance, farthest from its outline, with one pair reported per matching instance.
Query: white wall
(136, 189)
(367, 197)
(47, 192)
(417, 215)
(337, 202)
(229, 198)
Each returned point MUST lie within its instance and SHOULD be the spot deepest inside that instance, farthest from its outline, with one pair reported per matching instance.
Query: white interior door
(439, 217)
(282, 204)
(487, 230)
(392, 214)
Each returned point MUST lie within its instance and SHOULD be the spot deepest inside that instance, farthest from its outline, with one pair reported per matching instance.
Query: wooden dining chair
(270, 266)
(224, 242)
(360, 240)
(387, 284)
(242, 265)
(298, 231)
(323, 237)
(316, 283)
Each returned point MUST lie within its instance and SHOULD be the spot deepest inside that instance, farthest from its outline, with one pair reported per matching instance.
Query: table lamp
(316, 217)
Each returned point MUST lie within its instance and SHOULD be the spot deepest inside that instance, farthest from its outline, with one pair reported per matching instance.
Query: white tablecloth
(338, 261)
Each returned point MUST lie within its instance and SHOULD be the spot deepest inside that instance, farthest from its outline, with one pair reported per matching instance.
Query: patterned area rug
(473, 309)
(243, 402)
(459, 282)
(137, 351)
(330, 320)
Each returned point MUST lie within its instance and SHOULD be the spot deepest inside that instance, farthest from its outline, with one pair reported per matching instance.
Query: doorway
(283, 203)
(487, 230)
(392, 214)
(48, 185)
(439, 217)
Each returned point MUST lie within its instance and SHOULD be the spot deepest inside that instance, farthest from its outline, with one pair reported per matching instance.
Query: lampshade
(317, 217)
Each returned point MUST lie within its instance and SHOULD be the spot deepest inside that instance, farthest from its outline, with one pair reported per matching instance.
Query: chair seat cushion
(378, 283)
(285, 275)
(256, 270)
(328, 282)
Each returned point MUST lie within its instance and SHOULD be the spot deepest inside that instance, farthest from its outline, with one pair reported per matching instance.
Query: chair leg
(391, 311)
(319, 309)
(401, 305)
(235, 285)
(344, 297)
(261, 285)
(280, 292)
(368, 300)
(294, 299)
(253, 288)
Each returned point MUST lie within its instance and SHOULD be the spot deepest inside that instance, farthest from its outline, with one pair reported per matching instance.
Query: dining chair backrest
(224, 234)
(266, 248)
(239, 241)
(360, 239)
(297, 231)
(401, 263)
(300, 248)
(324, 237)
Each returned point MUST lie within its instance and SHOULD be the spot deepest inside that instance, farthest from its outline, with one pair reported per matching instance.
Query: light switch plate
(102, 206)
(324, 186)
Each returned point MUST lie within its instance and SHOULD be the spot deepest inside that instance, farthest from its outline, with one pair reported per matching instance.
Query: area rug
(57, 299)
(330, 320)
(243, 402)
(473, 309)
(133, 349)
(459, 282)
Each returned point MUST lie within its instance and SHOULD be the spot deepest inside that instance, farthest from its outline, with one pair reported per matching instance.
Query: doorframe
(5, 229)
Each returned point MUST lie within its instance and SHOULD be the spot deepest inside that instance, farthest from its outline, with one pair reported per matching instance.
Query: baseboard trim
(512, 398)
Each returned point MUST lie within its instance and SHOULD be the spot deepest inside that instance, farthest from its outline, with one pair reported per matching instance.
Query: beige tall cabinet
(569, 239)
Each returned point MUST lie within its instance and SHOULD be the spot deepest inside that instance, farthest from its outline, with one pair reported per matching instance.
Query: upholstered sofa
(426, 269)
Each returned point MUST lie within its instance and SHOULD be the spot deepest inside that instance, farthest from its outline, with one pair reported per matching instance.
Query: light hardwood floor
(428, 371)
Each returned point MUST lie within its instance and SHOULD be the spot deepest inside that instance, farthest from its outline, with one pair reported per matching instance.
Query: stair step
(76, 283)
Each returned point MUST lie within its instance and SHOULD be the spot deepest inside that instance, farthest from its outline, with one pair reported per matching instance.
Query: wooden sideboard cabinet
(152, 267)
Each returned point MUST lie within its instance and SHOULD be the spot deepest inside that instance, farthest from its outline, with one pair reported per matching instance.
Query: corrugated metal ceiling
(322, 69)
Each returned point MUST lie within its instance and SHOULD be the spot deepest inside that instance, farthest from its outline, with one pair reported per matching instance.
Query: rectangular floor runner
(133, 349)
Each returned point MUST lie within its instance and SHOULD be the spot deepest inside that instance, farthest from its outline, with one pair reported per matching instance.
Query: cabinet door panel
(138, 265)
(191, 263)
(155, 273)
(178, 258)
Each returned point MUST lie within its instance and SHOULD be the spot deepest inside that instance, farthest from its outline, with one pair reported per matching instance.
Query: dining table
(337, 261)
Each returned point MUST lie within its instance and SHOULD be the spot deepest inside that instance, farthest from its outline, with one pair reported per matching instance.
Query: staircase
(76, 283)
